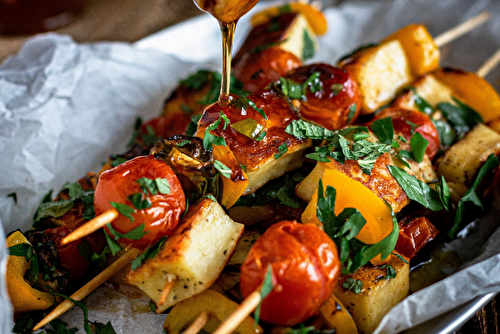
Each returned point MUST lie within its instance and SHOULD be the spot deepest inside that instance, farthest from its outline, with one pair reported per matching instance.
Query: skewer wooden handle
(489, 65)
(89, 287)
(198, 323)
(91, 226)
(461, 29)
(243, 311)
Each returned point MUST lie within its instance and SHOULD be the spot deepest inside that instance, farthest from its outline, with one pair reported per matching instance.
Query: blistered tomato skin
(331, 105)
(400, 121)
(257, 70)
(305, 266)
(159, 220)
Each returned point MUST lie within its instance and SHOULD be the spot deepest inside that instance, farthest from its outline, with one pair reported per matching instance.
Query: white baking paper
(64, 107)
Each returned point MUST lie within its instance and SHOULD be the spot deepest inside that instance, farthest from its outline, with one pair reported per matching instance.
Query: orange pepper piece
(353, 194)
(316, 19)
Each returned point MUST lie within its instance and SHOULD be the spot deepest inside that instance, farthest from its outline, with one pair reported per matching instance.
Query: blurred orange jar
(32, 16)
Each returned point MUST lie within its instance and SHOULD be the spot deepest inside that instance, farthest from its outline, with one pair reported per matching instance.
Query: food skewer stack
(187, 157)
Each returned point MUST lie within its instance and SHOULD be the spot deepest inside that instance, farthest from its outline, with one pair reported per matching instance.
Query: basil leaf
(422, 105)
(138, 202)
(444, 193)
(470, 196)
(309, 47)
(418, 146)
(355, 285)
(447, 135)
(461, 117)
(352, 112)
(223, 169)
(53, 209)
(383, 129)
(416, 190)
(124, 209)
(282, 149)
(267, 288)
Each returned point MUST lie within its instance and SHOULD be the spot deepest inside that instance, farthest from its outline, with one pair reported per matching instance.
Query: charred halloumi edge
(194, 255)
(378, 294)
(381, 72)
(271, 168)
(461, 162)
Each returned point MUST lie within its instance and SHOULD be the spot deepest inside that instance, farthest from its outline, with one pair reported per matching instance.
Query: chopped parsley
(354, 285)
(390, 272)
(296, 91)
(267, 288)
(124, 209)
(282, 149)
(223, 169)
(418, 146)
(149, 253)
(193, 125)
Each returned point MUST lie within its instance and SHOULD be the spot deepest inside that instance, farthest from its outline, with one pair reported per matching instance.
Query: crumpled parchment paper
(64, 107)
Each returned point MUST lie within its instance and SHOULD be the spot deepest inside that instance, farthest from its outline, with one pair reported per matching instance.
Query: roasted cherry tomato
(117, 185)
(333, 98)
(257, 70)
(305, 267)
(401, 121)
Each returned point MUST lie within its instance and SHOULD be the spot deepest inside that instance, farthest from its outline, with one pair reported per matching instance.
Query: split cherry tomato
(305, 266)
(401, 121)
(332, 99)
(165, 207)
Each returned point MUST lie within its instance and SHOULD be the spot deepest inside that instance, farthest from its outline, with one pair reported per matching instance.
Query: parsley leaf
(124, 209)
(267, 288)
(309, 48)
(416, 190)
(282, 149)
(135, 234)
(390, 272)
(418, 146)
(138, 202)
(383, 129)
(355, 285)
(149, 253)
(53, 209)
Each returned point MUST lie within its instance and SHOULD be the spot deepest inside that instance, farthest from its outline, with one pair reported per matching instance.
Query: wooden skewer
(198, 323)
(85, 290)
(488, 65)
(461, 29)
(91, 226)
(243, 311)
(167, 288)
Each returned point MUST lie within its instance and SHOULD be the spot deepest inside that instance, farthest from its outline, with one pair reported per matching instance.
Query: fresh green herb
(210, 196)
(471, 196)
(273, 26)
(25, 323)
(416, 190)
(282, 149)
(444, 193)
(193, 125)
(284, 9)
(383, 129)
(84, 309)
(184, 143)
(197, 80)
(53, 209)
(223, 169)
(103, 328)
(310, 330)
(75, 190)
(162, 185)
(243, 102)
(401, 158)
(209, 139)
(361, 48)
(266, 46)
(116, 161)
(399, 256)
(447, 134)
(418, 146)
(305, 130)
(343, 229)
(139, 201)
(352, 112)
(153, 186)
(135, 234)
(267, 288)
(309, 48)
(404, 154)
(150, 137)
(149, 253)
(114, 247)
(355, 285)
(261, 136)
(98, 260)
(295, 90)
(336, 89)
(422, 105)
(185, 108)
(413, 126)
(152, 306)
(28, 252)
(124, 209)
(88, 205)
(390, 272)
(461, 117)
(360, 136)
(248, 127)
(403, 139)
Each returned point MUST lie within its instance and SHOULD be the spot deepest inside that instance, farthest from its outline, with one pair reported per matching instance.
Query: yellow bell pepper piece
(472, 90)
(24, 298)
(335, 315)
(215, 304)
(234, 186)
(419, 46)
(316, 19)
(353, 194)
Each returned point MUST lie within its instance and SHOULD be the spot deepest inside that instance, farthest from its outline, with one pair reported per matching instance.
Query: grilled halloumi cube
(381, 71)
(461, 162)
(379, 293)
(194, 255)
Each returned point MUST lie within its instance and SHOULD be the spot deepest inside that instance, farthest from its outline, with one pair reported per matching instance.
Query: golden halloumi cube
(461, 162)
(381, 71)
(194, 255)
(378, 293)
